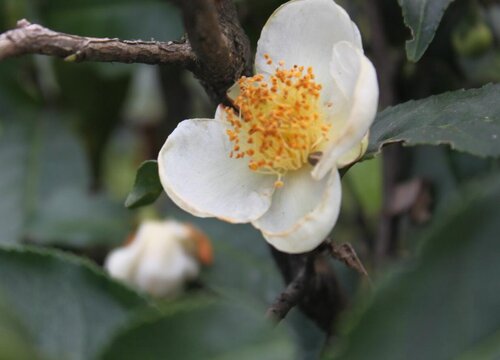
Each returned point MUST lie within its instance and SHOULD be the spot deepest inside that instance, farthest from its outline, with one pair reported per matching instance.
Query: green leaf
(493, 16)
(423, 18)
(126, 19)
(97, 114)
(15, 342)
(365, 180)
(482, 69)
(39, 155)
(95, 222)
(208, 330)
(15, 95)
(466, 120)
(444, 305)
(147, 186)
(68, 305)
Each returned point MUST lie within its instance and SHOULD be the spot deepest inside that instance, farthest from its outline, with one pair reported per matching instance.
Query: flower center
(280, 120)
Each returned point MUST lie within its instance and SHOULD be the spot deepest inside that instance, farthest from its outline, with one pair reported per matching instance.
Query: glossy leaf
(423, 18)
(209, 330)
(147, 186)
(466, 120)
(445, 304)
(69, 307)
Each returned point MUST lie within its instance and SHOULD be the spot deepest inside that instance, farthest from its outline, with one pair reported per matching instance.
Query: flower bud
(160, 258)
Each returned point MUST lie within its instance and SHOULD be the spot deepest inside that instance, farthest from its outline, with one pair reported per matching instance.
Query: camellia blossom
(273, 158)
(160, 258)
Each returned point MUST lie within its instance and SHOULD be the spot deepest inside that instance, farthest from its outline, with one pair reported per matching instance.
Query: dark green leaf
(38, 156)
(147, 186)
(445, 304)
(69, 307)
(95, 222)
(209, 330)
(423, 18)
(126, 19)
(16, 89)
(493, 16)
(15, 342)
(482, 69)
(97, 113)
(466, 120)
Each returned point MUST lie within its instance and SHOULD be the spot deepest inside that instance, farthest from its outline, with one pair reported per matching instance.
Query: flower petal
(303, 32)
(200, 177)
(356, 93)
(354, 154)
(164, 267)
(122, 262)
(303, 212)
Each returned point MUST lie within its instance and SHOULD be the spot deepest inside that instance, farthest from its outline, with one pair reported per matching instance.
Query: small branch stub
(347, 254)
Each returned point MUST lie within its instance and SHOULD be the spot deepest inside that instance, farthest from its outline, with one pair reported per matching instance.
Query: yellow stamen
(279, 120)
(278, 184)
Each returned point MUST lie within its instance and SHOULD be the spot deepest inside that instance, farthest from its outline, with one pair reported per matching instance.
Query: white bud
(159, 260)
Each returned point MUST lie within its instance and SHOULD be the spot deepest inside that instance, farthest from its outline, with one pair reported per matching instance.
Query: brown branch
(30, 38)
(201, 18)
(347, 254)
(311, 285)
(289, 298)
(218, 52)
(220, 44)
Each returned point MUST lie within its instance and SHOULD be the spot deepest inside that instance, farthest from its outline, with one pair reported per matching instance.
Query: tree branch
(218, 51)
(201, 18)
(311, 285)
(290, 297)
(221, 46)
(30, 38)
(346, 254)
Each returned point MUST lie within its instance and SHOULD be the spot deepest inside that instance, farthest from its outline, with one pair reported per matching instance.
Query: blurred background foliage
(73, 135)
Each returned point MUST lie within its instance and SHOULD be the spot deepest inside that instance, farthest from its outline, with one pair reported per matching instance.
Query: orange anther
(279, 119)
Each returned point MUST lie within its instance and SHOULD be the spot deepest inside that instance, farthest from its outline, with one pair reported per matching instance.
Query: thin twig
(311, 285)
(289, 298)
(30, 38)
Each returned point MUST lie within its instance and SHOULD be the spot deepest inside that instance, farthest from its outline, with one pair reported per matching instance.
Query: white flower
(315, 95)
(160, 258)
